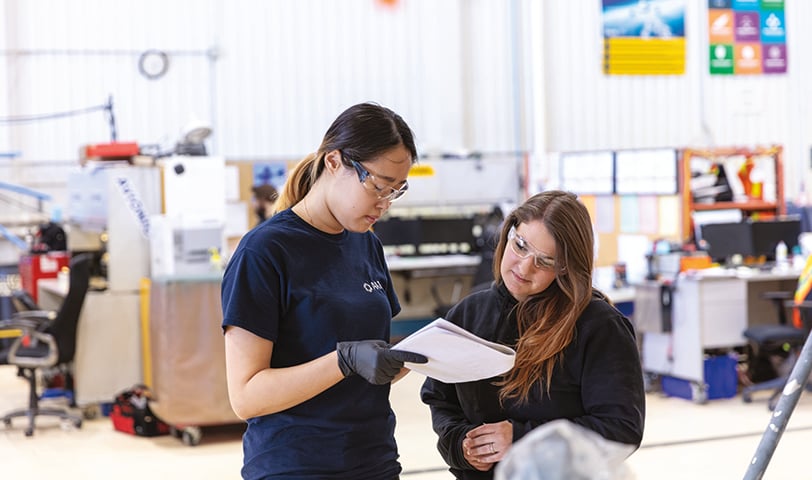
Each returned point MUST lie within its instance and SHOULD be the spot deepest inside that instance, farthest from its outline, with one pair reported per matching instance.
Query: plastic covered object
(562, 450)
(188, 354)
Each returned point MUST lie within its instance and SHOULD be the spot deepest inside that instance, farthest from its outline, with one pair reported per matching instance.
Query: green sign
(772, 4)
(721, 59)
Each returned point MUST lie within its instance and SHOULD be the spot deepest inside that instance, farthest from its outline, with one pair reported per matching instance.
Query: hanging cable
(50, 116)
(107, 107)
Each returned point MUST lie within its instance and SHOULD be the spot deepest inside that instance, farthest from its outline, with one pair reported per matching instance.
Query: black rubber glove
(374, 360)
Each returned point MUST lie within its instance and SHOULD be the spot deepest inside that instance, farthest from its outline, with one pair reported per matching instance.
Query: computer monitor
(426, 236)
(447, 230)
(398, 232)
(705, 217)
(767, 234)
(447, 235)
(727, 239)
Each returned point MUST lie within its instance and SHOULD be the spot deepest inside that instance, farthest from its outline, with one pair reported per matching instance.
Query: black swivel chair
(483, 275)
(23, 301)
(782, 341)
(47, 340)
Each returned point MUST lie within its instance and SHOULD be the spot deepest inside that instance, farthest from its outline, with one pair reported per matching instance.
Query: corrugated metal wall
(80, 54)
(445, 66)
(587, 110)
(270, 75)
(467, 74)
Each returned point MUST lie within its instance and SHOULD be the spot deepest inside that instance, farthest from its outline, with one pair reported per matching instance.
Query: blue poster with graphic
(644, 37)
(644, 18)
(273, 173)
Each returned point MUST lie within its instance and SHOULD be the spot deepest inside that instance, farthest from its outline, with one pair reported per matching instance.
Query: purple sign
(774, 57)
(747, 27)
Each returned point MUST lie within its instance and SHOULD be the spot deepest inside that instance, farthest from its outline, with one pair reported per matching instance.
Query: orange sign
(720, 26)
(748, 57)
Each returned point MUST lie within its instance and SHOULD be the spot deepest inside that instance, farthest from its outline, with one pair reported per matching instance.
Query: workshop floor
(682, 440)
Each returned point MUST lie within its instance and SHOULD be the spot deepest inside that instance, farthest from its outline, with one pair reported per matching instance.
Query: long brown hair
(546, 320)
(361, 132)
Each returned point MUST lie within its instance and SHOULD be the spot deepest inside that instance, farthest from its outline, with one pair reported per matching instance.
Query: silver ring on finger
(492, 449)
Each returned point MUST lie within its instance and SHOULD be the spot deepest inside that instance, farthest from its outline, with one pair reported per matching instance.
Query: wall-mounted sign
(643, 37)
(747, 37)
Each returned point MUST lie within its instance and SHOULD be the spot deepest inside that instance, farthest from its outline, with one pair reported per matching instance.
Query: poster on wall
(747, 37)
(273, 173)
(643, 37)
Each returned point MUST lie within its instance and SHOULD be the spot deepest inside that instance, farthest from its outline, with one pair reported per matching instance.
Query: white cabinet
(108, 342)
(709, 312)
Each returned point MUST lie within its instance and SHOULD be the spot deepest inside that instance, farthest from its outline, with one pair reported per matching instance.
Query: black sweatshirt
(599, 383)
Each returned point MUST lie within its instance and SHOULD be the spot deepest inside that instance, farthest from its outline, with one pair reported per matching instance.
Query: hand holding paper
(455, 354)
(374, 360)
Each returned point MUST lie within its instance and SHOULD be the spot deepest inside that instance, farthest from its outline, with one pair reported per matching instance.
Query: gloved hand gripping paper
(455, 354)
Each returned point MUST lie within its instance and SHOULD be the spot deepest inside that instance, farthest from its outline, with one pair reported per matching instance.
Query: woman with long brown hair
(576, 355)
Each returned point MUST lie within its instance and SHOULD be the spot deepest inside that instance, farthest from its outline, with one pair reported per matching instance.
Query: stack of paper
(455, 354)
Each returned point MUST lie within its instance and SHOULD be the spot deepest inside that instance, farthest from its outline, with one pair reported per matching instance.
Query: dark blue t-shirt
(306, 290)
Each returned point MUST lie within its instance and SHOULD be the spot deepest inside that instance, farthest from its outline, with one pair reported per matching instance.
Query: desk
(620, 295)
(710, 310)
(434, 265)
(108, 341)
(422, 280)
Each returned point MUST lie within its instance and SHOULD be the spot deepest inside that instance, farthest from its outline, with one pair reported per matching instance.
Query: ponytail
(300, 179)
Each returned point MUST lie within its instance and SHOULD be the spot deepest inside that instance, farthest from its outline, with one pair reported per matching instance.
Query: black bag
(131, 414)
(50, 237)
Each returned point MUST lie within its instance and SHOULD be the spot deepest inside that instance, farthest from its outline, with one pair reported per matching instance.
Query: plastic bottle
(63, 279)
(798, 259)
(781, 254)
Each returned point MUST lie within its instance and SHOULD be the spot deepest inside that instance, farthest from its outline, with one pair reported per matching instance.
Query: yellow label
(643, 56)
(12, 333)
(421, 171)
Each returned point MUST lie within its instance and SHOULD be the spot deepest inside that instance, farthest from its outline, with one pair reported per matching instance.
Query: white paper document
(455, 354)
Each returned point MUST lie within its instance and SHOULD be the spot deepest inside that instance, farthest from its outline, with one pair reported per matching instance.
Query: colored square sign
(775, 57)
(721, 59)
(747, 37)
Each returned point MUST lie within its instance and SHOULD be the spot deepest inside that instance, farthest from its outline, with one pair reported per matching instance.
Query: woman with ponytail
(307, 308)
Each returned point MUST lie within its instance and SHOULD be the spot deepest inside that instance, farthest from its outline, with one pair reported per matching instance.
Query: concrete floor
(682, 440)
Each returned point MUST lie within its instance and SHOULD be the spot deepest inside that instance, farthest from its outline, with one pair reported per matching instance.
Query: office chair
(47, 340)
(783, 341)
(23, 301)
(442, 307)
(483, 275)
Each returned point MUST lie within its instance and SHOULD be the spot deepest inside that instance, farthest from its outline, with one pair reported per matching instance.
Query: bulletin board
(646, 172)
(587, 172)
(626, 225)
(620, 172)
(249, 173)
(632, 197)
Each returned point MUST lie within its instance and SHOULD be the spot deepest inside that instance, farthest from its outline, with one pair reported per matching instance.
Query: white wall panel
(311, 59)
(475, 75)
(283, 71)
(88, 51)
(270, 75)
(6, 29)
(587, 110)
(293, 66)
(490, 84)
